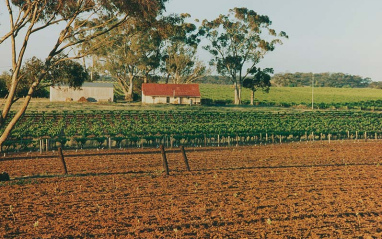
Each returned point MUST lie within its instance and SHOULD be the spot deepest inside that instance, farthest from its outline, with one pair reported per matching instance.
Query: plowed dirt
(297, 190)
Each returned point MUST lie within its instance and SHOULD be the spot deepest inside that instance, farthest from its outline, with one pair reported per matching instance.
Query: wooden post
(109, 143)
(365, 136)
(62, 160)
(185, 157)
(329, 137)
(47, 145)
(229, 141)
(218, 140)
(280, 139)
(40, 146)
(376, 136)
(164, 158)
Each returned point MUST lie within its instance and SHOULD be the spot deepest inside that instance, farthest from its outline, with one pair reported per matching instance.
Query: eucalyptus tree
(68, 72)
(132, 52)
(180, 63)
(128, 53)
(238, 41)
(77, 20)
(260, 80)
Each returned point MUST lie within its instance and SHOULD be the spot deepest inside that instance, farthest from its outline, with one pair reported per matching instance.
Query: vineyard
(117, 129)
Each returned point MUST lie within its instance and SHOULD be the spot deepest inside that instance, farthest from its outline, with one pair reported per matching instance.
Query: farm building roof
(174, 90)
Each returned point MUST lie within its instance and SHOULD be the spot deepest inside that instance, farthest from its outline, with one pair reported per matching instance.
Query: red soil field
(297, 190)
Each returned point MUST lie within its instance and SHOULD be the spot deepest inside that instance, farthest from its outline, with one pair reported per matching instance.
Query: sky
(324, 36)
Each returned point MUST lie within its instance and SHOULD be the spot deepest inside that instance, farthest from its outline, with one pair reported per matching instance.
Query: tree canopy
(237, 42)
(337, 80)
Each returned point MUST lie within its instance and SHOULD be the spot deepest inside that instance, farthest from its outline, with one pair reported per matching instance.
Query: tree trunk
(126, 88)
(18, 115)
(239, 92)
(236, 91)
(252, 97)
(11, 96)
(129, 95)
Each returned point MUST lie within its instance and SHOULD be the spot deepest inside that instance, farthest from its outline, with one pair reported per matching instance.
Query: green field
(295, 95)
(295, 98)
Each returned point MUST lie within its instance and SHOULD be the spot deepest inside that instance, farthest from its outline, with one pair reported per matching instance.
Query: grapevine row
(153, 125)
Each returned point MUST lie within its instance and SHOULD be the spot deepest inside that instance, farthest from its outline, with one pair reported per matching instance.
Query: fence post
(365, 136)
(62, 160)
(185, 157)
(218, 140)
(164, 158)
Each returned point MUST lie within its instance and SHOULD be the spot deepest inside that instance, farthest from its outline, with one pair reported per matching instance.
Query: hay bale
(82, 99)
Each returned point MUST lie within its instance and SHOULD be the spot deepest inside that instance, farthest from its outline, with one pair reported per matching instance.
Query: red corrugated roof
(173, 90)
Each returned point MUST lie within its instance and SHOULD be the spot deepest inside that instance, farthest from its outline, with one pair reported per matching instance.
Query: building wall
(170, 100)
(92, 94)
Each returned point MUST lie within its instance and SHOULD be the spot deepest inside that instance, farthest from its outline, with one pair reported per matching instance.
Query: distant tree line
(337, 80)
(215, 79)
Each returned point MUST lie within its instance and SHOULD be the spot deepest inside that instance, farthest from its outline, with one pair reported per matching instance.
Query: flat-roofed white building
(92, 92)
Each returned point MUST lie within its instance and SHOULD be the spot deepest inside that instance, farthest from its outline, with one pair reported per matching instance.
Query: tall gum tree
(128, 53)
(179, 61)
(136, 49)
(237, 42)
(78, 20)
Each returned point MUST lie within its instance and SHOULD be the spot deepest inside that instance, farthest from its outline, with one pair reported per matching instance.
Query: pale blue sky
(324, 36)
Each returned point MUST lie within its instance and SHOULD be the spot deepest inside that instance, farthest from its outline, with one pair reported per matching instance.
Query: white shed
(92, 92)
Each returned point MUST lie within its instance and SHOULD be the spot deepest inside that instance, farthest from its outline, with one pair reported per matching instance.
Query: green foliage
(67, 72)
(3, 83)
(261, 79)
(337, 80)
(151, 125)
(237, 43)
(63, 72)
(215, 79)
